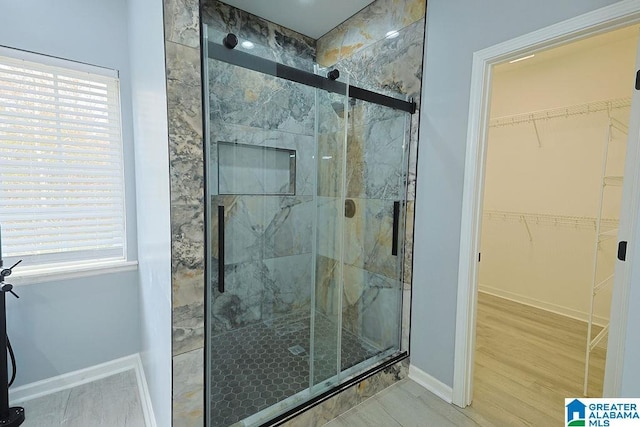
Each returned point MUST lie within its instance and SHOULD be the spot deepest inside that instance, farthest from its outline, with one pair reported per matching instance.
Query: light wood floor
(110, 402)
(527, 361)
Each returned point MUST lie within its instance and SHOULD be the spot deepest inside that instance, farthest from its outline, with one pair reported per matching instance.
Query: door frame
(602, 20)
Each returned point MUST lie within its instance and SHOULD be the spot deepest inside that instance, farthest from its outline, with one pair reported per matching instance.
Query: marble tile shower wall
(186, 168)
(271, 41)
(375, 178)
(268, 263)
(358, 47)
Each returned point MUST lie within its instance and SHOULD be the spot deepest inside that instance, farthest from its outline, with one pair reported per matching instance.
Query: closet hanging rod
(548, 219)
(572, 110)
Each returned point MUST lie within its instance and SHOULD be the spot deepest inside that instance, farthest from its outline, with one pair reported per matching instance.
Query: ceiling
(626, 33)
(313, 18)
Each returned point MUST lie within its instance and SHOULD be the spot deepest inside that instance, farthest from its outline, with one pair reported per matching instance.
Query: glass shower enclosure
(306, 188)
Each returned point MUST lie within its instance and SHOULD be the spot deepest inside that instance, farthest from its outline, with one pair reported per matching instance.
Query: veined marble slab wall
(271, 41)
(186, 168)
(359, 47)
(375, 178)
(368, 27)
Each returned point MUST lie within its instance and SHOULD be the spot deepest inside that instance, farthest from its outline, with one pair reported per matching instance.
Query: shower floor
(260, 365)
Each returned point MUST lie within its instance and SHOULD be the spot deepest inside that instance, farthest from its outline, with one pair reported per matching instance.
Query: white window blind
(61, 169)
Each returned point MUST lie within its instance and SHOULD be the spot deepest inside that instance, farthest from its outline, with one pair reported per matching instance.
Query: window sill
(28, 276)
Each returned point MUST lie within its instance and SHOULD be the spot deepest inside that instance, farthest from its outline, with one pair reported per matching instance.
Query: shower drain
(297, 350)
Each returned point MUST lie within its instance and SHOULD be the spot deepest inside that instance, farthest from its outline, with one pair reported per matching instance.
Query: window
(61, 168)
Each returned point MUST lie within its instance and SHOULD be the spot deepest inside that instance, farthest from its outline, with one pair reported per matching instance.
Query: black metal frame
(272, 68)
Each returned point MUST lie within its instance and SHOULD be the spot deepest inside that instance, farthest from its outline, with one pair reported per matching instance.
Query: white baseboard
(145, 397)
(432, 384)
(536, 303)
(69, 380)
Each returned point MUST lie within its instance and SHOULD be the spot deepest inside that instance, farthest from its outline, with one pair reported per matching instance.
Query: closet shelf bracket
(610, 234)
(619, 125)
(598, 338)
(535, 127)
(613, 181)
(526, 225)
(602, 284)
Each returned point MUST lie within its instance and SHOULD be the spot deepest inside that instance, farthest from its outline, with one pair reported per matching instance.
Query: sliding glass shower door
(305, 192)
(262, 185)
(375, 200)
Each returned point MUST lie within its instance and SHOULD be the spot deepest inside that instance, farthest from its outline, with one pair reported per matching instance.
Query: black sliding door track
(265, 66)
(315, 401)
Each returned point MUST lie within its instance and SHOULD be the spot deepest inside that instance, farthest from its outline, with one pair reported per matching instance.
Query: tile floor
(257, 366)
(407, 404)
(110, 402)
(114, 402)
(264, 350)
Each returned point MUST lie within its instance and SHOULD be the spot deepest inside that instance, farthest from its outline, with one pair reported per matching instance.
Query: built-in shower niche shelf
(245, 169)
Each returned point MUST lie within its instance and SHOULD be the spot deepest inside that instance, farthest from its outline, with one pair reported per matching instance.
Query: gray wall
(630, 386)
(66, 325)
(59, 327)
(456, 29)
(149, 97)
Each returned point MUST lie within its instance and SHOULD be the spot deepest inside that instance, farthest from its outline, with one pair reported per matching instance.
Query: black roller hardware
(230, 41)
(221, 249)
(333, 75)
(265, 66)
(396, 225)
(622, 251)
(638, 80)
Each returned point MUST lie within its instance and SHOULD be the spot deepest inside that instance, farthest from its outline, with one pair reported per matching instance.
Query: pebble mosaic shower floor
(259, 365)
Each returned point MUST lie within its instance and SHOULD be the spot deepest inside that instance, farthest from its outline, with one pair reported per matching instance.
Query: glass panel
(306, 197)
(331, 163)
(268, 340)
(259, 326)
(376, 191)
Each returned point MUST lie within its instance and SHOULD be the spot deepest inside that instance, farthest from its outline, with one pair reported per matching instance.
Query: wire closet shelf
(604, 228)
(568, 111)
(578, 222)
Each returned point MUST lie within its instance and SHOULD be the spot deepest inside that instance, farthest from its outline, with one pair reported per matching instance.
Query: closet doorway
(555, 163)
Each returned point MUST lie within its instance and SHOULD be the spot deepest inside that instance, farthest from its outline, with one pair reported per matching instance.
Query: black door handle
(396, 225)
(221, 249)
(622, 251)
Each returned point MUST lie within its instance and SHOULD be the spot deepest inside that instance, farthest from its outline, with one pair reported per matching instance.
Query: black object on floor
(9, 417)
